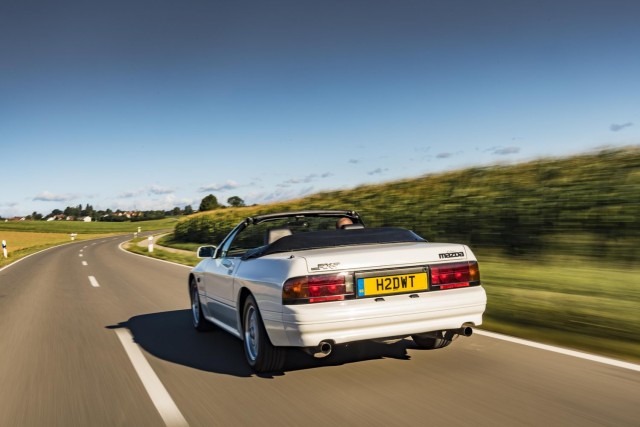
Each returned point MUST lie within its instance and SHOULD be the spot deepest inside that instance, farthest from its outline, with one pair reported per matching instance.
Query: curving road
(118, 349)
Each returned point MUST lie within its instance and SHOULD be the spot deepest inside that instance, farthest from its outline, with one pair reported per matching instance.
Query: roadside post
(150, 244)
(139, 229)
(73, 236)
(4, 248)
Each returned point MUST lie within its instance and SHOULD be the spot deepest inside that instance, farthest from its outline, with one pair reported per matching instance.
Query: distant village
(89, 214)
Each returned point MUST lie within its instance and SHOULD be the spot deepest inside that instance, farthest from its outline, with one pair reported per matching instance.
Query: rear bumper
(365, 319)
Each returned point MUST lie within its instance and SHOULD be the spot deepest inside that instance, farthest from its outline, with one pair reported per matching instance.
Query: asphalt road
(67, 359)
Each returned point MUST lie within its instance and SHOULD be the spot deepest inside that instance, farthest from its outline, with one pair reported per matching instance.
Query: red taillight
(455, 275)
(310, 289)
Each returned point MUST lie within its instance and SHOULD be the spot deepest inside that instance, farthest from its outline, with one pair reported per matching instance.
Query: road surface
(93, 336)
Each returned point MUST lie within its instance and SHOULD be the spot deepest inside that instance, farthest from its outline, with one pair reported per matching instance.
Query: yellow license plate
(397, 284)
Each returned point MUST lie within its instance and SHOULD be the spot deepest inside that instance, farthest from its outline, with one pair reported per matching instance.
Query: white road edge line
(93, 282)
(158, 394)
(567, 352)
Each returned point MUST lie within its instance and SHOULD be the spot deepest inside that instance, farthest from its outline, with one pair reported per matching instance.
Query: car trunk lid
(355, 258)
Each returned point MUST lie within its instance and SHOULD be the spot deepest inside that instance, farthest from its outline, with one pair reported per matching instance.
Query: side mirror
(206, 251)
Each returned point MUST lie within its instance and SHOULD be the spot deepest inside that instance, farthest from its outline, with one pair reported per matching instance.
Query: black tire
(431, 341)
(199, 322)
(261, 355)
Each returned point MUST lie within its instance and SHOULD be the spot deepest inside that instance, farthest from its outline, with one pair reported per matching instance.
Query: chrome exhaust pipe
(325, 348)
(321, 350)
(465, 331)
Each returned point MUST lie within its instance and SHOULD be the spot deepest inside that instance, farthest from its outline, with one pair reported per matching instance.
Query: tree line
(209, 202)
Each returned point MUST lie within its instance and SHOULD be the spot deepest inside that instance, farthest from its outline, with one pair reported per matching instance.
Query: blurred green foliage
(591, 306)
(586, 205)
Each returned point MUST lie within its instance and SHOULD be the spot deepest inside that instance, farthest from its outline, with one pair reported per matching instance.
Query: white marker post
(139, 229)
(73, 236)
(150, 244)
(4, 248)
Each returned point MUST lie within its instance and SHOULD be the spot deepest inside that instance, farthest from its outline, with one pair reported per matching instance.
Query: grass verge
(574, 303)
(159, 253)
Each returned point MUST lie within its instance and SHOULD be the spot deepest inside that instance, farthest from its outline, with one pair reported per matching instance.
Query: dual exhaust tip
(326, 347)
(465, 331)
(321, 350)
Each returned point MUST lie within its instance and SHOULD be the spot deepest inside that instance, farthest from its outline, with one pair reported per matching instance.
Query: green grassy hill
(586, 205)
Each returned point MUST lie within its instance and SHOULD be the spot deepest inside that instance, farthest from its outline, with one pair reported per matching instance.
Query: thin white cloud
(46, 196)
(153, 190)
(128, 194)
(228, 185)
(10, 209)
(616, 127)
(158, 190)
(377, 171)
(165, 203)
(504, 151)
(304, 180)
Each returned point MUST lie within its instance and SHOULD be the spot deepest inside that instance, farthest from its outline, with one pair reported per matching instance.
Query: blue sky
(155, 104)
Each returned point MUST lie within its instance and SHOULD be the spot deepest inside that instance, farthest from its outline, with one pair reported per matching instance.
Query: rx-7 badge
(326, 266)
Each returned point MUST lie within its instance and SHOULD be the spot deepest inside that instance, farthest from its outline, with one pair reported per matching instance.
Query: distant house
(87, 219)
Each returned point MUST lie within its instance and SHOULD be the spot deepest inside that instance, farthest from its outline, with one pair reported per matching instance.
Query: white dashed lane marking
(158, 394)
(93, 282)
(84, 263)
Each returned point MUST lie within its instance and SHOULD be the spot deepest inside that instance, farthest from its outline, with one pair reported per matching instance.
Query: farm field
(27, 237)
(87, 227)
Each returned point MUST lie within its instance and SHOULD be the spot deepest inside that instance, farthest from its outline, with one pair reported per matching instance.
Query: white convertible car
(303, 279)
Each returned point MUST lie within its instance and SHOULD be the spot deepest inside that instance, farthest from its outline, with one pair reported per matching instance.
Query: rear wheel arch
(200, 323)
(260, 353)
(242, 297)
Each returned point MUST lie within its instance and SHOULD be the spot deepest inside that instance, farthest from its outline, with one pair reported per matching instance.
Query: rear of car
(316, 279)
(378, 292)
